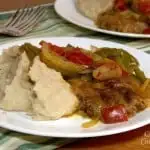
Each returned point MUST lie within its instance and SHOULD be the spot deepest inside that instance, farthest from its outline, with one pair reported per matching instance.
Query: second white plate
(67, 10)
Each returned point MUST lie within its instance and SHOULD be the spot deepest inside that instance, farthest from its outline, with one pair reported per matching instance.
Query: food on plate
(91, 8)
(16, 93)
(126, 21)
(34, 88)
(106, 84)
(31, 51)
(128, 16)
(59, 63)
(127, 62)
(52, 96)
(8, 65)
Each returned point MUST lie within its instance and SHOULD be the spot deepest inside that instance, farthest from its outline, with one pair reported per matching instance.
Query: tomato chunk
(144, 6)
(114, 114)
(146, 31)
(120, 5)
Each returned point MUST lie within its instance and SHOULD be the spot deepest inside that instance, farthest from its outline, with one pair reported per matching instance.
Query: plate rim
(108, 32)
(74, 135)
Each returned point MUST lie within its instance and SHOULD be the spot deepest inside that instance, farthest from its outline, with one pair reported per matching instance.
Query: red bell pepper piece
(144, 6)
(147, 31)
(120, 5)
(114, 114)
(78, 57)
(57, 49)
(75, 55)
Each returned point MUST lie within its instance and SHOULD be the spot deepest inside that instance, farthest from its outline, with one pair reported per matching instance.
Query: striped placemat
(53, 25)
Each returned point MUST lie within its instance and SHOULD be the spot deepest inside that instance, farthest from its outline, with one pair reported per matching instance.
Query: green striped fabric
(53, 25)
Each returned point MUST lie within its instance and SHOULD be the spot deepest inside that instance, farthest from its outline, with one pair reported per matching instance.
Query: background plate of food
(128, 18)
(73, 87)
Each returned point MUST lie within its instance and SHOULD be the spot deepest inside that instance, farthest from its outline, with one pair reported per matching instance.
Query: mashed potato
(34, 88)
(16, 94)
(91, 8)
(52, 96)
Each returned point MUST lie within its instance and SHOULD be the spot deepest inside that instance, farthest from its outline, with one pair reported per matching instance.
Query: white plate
(71, 127)
(67, 10)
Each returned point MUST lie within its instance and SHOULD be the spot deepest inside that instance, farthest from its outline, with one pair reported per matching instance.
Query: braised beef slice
(114, 92)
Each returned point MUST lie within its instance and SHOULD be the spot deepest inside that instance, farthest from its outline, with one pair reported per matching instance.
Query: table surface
(13, 4)
(137, 140)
